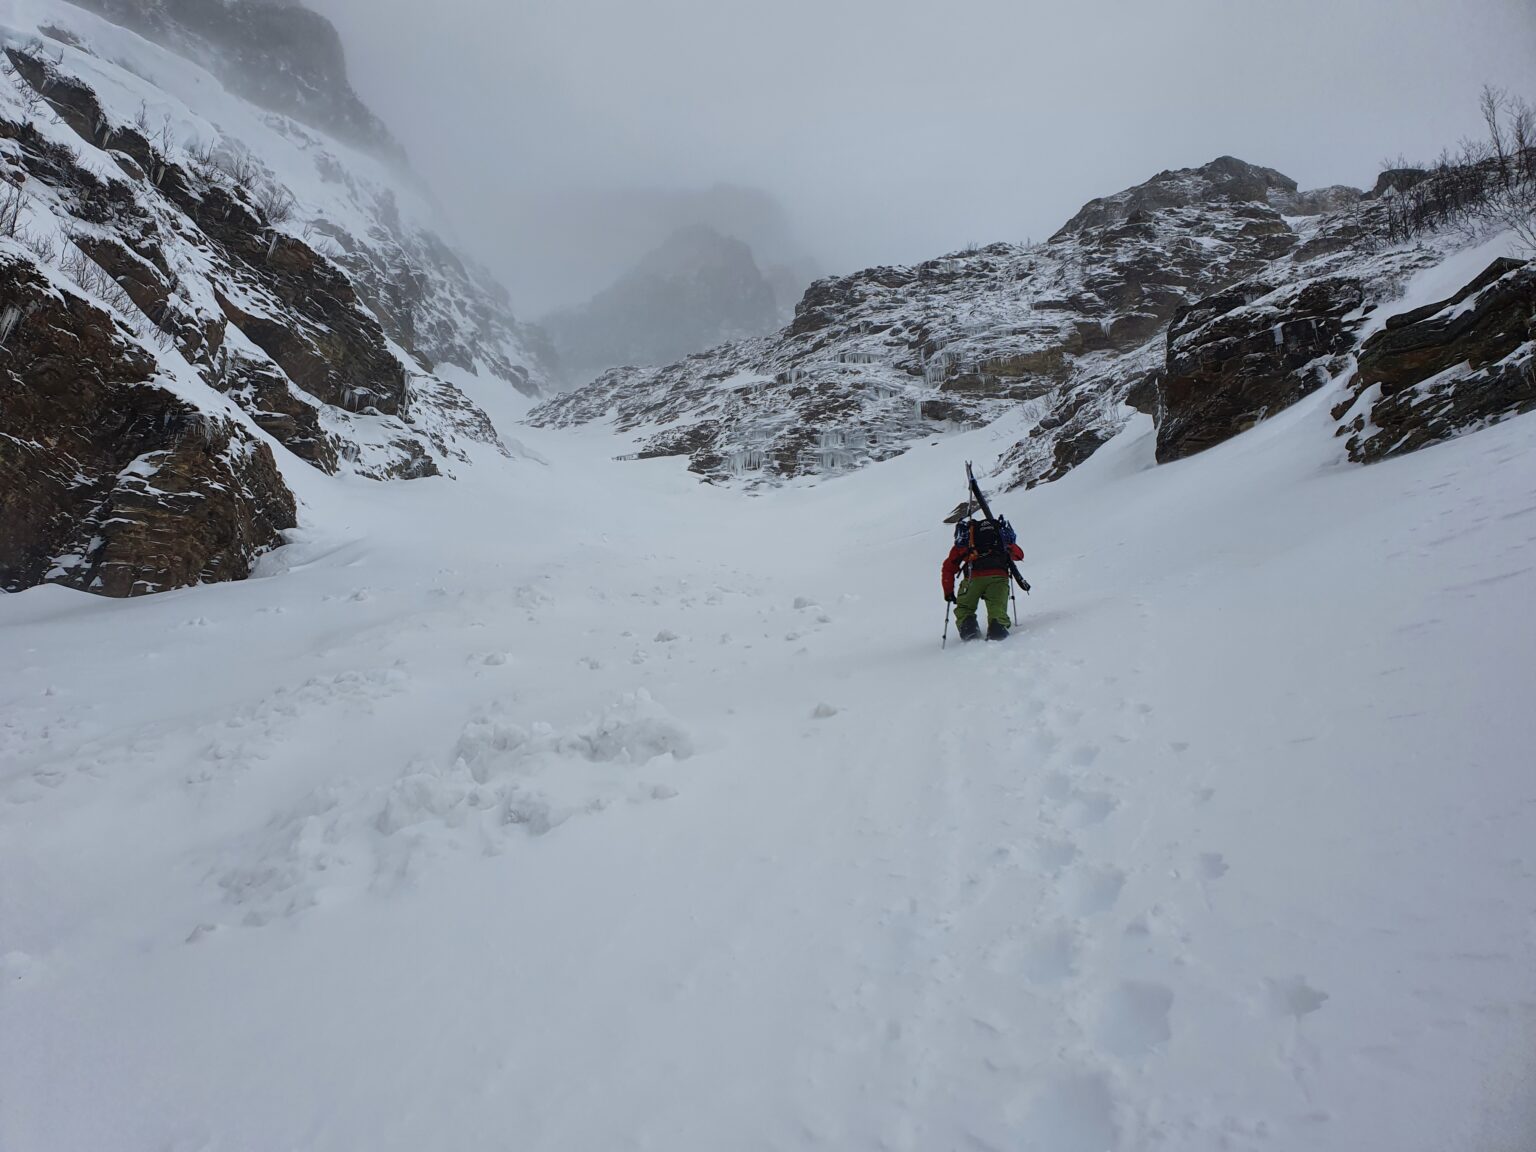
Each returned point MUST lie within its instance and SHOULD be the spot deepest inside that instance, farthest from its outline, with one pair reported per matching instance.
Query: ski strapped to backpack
(997, 525)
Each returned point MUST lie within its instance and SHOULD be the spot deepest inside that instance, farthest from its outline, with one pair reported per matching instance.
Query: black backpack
(987, 542)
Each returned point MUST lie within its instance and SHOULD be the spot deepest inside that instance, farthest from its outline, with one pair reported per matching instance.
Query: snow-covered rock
(1225, 178)
(109, 480)
(282, 281)
(1447, 367)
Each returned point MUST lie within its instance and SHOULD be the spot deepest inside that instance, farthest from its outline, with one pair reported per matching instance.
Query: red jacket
(956, 560)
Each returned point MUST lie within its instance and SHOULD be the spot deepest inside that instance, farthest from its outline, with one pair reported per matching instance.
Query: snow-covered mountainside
(202, 297)
(1206, 297)
(695, 291)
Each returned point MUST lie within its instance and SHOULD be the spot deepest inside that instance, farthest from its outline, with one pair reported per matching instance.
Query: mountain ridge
(1075, 331)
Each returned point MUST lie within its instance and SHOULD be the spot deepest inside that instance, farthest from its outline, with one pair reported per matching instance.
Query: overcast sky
(890, 131)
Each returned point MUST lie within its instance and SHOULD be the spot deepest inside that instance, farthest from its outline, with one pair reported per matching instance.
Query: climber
(984, 554)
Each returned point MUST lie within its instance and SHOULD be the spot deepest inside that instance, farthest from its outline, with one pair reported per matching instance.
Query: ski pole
(944, 643)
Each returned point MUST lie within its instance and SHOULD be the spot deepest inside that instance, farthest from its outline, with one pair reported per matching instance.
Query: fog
(565, 137)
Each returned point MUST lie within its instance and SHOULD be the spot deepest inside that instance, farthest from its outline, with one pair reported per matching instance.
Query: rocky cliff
(1447, 367)
(198, 295)
(109, 480)
(1207, 297)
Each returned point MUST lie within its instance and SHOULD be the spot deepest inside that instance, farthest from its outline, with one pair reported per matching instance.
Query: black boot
(969, 629)
(996, 631)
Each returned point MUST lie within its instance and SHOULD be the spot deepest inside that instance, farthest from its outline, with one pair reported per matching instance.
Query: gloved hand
(949, 597)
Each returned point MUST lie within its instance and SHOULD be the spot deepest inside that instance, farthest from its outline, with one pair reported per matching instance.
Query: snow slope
(655, 817)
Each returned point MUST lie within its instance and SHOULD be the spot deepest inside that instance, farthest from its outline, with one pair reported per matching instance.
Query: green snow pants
(992, 589)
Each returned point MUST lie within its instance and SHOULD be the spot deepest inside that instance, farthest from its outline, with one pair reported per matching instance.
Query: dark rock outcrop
(1245, 353)
(1443, 369)
(278, 409)
(108, 481)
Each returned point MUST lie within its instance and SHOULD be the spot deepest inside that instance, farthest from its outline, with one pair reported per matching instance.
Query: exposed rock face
(698, 289)
(1444, 369)
(278, 55)
(1245, 353)
(279, 409)
(873, 361)
(108, 481)
(295, 305)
